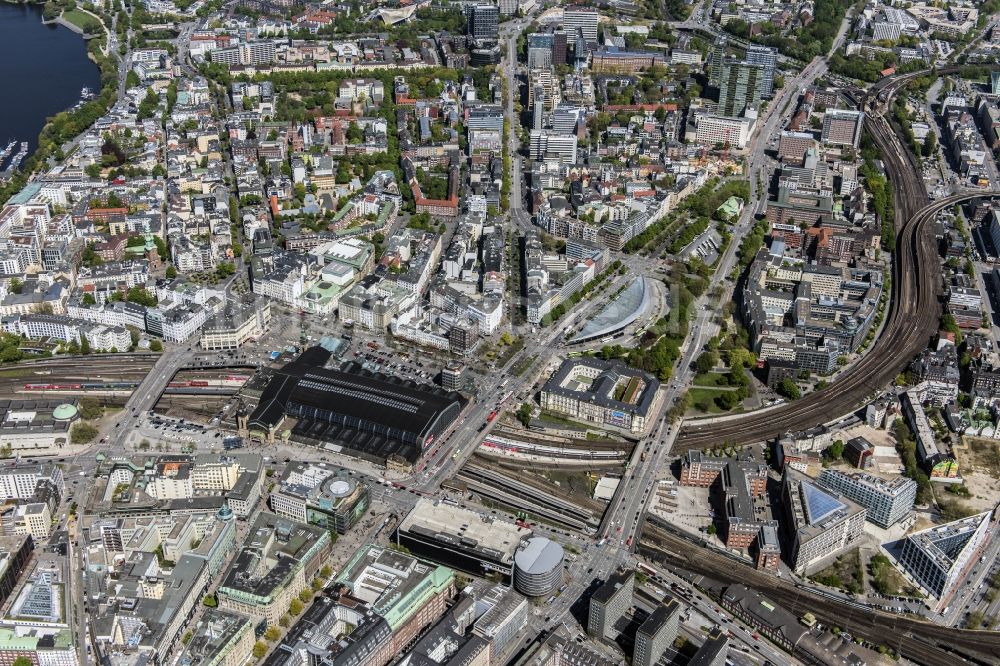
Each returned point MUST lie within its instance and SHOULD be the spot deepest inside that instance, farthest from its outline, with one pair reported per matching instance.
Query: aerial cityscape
(500, 333)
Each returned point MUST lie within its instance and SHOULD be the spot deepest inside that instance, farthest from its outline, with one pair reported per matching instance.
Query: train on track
(84, 386)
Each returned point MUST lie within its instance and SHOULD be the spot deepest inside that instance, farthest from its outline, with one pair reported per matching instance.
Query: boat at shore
(15, 161)
(5, 153)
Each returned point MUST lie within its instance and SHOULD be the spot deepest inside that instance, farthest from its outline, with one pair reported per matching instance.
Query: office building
(451, 376)
(483, 21)
(842, 127)
(219, 639)
(545, 144)
(42, 645)
(544, 81)
(318, 494)
(657, 633)
(887, 500)
(278, 560)
(584, 19)
(741, 521)
(741, 86)
(340, 629)
(477, 543)
(559, 47)
(409, 593)
(766, 57)
(15, 552)
(714, 651)
(538, 109)
(506, 615)
(858, 450)
(19, 481)
(35, 519)
(734, 133)
(241, 320)
(793, 146)
(598, 391)
(540, 48)
(768, 549)
(822, 522)
(609, 603)
(938, 558)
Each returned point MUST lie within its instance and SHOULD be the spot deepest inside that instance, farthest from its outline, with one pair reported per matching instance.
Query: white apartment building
(713, 130)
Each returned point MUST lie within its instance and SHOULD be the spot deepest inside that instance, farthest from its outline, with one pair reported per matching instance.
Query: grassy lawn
(82, 20)
(711, 379)
(703, 400)
(845, 573)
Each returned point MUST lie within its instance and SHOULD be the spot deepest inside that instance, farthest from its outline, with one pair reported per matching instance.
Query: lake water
(43, 68)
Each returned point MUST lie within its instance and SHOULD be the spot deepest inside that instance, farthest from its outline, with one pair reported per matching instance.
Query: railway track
(911, 318)
(917, 640)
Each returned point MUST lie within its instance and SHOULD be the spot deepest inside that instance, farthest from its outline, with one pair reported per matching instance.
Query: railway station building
(385, 420)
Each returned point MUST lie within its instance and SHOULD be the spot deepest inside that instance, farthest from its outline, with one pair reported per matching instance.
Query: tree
(138, 294)
(305, 595)
(155, 345)
(259, 649)
(727, 400)
(836, 450)
(16, 285)
(210, 601)
(706, 362)
(82, 433)
(132, 79)
(326, 571)
(295, 607)
(789, 389)
(742, 357)
(930, 144)
(524, 413)
(354, 133)
(225, 269)
(84, 345)
(88, 299)
(171, 272)
(272, 633)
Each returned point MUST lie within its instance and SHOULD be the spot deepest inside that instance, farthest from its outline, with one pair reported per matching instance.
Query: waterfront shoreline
(42, 137)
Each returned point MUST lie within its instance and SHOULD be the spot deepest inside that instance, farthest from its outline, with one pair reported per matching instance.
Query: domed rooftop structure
(65, 412)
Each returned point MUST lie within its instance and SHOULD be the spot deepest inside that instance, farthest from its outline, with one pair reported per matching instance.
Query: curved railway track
(912, 314)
